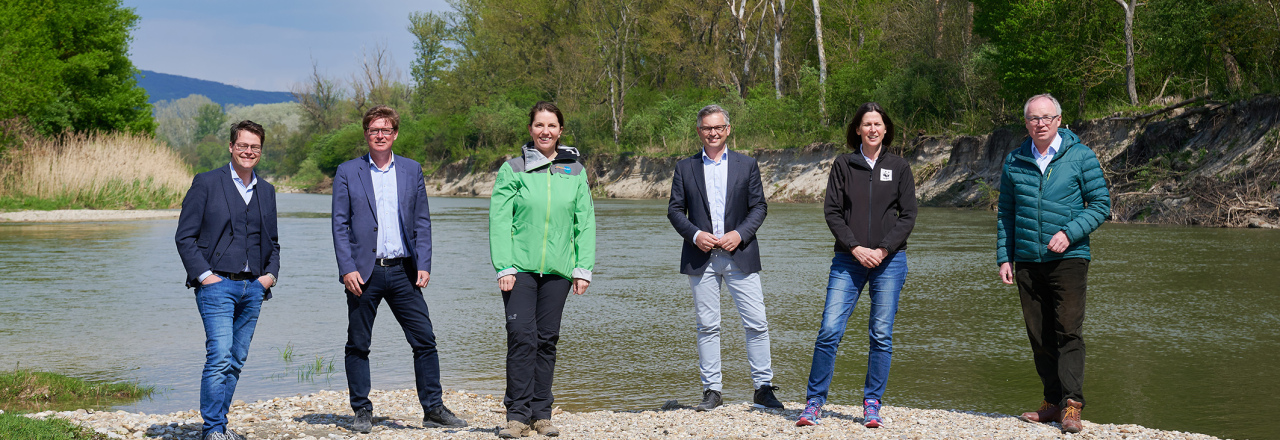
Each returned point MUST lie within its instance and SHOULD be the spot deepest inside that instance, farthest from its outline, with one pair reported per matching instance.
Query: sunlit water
(1182, 330)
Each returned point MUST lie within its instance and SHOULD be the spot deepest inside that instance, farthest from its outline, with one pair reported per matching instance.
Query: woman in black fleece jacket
(870, 208)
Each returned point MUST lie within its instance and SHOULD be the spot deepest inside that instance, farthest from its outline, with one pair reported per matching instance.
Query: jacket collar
(533, 159)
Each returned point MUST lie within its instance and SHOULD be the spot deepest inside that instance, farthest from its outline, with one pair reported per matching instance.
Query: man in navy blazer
(228, 242)
(717, 204)
(382, 238)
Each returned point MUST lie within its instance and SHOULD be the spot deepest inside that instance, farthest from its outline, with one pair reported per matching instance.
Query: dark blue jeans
(395, 286)
(844, 286)
(229, 310)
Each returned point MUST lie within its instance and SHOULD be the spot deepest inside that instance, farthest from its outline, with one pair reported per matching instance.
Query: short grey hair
(708, 110)
(1027, 107)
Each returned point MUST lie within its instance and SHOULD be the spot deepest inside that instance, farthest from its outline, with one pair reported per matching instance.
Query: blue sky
(269, 44)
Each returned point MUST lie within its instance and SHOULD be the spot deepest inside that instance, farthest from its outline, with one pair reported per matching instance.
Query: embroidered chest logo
(886, 175)
(566, 169)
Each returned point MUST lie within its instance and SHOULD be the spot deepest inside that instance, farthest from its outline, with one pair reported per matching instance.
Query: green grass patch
(116, 195)
(13, 426)
(22, 390)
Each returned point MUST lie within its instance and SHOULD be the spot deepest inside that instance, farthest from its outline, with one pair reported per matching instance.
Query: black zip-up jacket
(874, 208)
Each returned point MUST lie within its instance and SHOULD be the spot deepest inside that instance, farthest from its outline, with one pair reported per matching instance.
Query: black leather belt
(235, 276)
(388, 262)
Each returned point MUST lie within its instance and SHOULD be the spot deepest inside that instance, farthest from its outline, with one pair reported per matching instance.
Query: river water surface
(1182, 330)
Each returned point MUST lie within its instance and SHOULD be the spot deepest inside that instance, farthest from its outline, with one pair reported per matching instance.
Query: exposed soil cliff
(1213, 165)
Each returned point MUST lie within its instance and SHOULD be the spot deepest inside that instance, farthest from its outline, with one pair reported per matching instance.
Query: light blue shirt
(716, 174)
(1042, 160)
(385, 192)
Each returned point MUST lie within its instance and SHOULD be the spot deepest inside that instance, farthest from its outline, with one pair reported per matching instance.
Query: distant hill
(163, 86)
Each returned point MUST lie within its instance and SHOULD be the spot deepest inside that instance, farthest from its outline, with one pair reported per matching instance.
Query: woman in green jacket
(542, 240)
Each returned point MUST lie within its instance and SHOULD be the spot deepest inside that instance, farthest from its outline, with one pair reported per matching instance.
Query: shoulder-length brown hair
(851, 133)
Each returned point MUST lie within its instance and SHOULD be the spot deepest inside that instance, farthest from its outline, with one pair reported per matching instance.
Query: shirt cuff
(204, 275)
(579, 272)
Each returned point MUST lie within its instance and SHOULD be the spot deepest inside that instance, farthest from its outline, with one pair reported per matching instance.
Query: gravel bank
(326, 415)
(87, 215)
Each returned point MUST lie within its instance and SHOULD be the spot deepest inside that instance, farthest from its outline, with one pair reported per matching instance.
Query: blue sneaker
(871, 413)
(812, 412)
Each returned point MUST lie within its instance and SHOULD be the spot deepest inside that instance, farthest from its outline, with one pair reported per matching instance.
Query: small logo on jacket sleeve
(886, 175)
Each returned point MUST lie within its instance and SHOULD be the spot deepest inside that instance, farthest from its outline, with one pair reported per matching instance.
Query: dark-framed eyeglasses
(714, 128)
(1042, 120)
(240, 148)
(380, 131)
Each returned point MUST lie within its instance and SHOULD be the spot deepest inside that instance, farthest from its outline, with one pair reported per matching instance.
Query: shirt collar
(707, 159)
(390, 164)
(236, 176)
(1053, 148)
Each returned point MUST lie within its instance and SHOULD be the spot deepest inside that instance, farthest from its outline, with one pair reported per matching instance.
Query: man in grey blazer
(717, 204)
(382, 239)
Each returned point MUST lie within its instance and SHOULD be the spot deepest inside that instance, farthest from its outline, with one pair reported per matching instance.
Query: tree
(321, 100)
(822, 62)
(779, 8)
(210, 119)
(430, 30)
(1129, 80)
(64, 66)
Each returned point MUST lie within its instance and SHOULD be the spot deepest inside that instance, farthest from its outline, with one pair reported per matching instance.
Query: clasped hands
(729, 241)
(868, 257)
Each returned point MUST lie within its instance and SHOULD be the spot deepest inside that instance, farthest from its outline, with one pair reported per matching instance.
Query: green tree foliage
(210, 119)
(64, 66)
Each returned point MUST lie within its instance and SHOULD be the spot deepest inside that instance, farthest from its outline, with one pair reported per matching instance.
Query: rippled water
(1182, 330)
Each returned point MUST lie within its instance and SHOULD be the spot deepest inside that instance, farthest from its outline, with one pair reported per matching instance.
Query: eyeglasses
(380, 131)
(1042, 120)
(240, 148)
(715, 128)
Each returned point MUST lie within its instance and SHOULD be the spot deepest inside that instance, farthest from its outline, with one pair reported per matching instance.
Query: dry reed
(114, 170)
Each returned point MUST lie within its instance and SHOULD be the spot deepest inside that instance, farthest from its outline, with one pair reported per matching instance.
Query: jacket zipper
(871, 179)
(546, 223)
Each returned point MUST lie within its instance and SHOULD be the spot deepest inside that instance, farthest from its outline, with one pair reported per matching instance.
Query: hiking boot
(710, 400)
(514, 429)
(544, 427)
(871, 413)
(1071, 417)
(441, 417)
(812, 412)
(1048, 412)
(764, 397)
(364, 421)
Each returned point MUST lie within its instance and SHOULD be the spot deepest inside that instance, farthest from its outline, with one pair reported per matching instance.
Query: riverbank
(87, 215)
(327, 415)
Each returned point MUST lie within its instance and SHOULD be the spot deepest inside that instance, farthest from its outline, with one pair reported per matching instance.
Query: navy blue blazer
(355, 216)
(204, 226)
(745, 208)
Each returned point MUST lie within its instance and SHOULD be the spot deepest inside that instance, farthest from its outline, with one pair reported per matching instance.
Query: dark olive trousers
(1053, 297)
(533, 307)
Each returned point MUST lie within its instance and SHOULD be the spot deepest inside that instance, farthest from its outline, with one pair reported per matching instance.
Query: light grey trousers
(749, 298)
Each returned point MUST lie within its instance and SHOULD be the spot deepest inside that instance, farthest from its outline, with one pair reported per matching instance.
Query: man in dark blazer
(717, 204)
(229, 246)
(382, 238)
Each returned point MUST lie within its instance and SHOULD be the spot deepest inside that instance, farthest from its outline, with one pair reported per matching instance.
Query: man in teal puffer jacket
(1053, 194)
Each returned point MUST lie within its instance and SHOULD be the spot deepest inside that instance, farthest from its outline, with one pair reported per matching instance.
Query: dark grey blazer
(204, 226)
(745, 208)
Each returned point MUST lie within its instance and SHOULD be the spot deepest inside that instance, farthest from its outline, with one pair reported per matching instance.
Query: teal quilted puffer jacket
(1071, 196)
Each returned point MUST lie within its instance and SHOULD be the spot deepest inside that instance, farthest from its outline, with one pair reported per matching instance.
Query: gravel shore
(87, 215)
(327, 415)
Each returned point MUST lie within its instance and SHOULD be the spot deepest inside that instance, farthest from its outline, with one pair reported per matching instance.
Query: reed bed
(96, 171)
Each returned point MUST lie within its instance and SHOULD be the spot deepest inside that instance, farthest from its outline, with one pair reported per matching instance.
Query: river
(1182, 330)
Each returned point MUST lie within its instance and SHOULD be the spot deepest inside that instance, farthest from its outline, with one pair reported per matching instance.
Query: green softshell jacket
(1070, 196)
(541, 218)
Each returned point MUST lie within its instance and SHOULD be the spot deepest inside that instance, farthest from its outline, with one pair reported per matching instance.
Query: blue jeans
(843, 289)
(229, 310)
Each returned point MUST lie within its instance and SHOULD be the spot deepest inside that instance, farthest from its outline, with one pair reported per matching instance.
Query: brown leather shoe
(1071, 417)
(1048, 412)
(544, 427)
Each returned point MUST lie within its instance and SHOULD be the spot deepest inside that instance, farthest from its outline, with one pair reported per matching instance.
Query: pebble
(327, 415)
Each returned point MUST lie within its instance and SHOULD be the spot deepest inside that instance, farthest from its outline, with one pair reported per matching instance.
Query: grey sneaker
(364, 421)
(232, 435)
(764, 397)
(211, 435)
(710, 400)
(441, 417)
